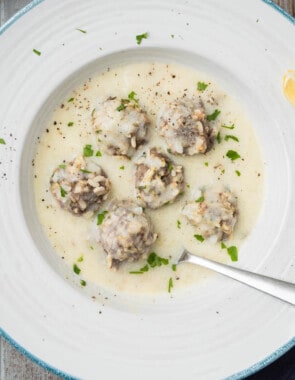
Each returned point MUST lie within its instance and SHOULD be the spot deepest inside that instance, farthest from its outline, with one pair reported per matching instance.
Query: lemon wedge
(289, 86)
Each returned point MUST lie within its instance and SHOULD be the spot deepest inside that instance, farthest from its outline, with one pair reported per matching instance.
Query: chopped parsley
(144, 269)
(131, 97)
(213, 115)
(206, 163)
(218, 138)
(199, 238)
(70, 124)
(228, 126)
(70, 100)
(232, 251)
(170, 167)
(83, 283)
(140, 37)
(88, 151)
(202, 86)
(178, 222)
(200, 199)
(170, 284)
(37, 52)
(156, 261)
(172, 35)
(80, 259)
(98, 153)
(62, 166)
(2, 141)
(81, 30)
(76, 269)
(63, 193)
(153, 261)
(136, 272)
(85, 171)
(232, 137)
(100, 217)
(232, 155)
(238, 173)
(122, 106)
(122, 167)
(173, 267)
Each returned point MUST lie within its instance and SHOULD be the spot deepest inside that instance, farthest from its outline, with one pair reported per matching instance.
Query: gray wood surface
(13, 364)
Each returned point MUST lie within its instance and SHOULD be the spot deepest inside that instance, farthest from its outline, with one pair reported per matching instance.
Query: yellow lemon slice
(289, 86)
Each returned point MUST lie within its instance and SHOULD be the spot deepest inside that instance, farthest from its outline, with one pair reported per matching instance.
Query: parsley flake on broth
(200, 199)
(201, 86)
(231, 137)
(76, 269)
(232, 155)
(170, 284)
(232, 251)
(218, 138)
(2, 141)
(199, 238)
(228, 126)
(213, 116)
(87, 150)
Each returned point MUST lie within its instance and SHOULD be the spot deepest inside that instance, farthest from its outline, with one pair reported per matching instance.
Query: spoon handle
(277, 288)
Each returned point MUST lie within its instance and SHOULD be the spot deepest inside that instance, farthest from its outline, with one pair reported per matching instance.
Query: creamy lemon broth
(154, 83)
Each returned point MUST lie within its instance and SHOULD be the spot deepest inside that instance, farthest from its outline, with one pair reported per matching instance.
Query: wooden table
(14, 365)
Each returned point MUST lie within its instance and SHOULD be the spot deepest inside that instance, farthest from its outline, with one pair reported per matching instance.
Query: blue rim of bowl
(239, 375)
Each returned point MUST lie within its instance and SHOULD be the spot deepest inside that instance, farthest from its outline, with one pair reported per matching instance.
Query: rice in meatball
(157, 179)
(121, 126)
(214, 214)
(126, 233)
(78, 189)
(184, 126)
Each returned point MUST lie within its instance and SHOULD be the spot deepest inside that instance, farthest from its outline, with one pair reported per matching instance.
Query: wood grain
(13, 364)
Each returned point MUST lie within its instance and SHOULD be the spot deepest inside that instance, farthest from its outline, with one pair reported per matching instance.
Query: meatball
(121, 126)
(184, 126)
(77, 189)
(157, 179)
(214, 214)
(126, 233)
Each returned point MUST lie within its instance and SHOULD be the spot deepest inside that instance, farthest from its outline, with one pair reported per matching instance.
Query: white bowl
(222, 328)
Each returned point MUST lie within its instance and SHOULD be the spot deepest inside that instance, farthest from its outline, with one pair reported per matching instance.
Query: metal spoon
(276, 288)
